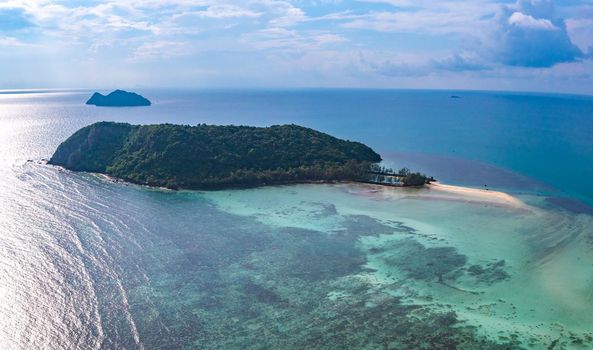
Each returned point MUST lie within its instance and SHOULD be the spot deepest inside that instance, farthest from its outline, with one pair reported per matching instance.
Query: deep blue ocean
(86, 263)
(546, 138)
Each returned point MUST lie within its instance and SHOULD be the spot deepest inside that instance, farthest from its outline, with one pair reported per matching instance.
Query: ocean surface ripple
(86, 263)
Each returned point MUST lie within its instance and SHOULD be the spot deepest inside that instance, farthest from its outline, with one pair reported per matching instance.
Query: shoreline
(434, 190)
(443, 192)
(477, 195)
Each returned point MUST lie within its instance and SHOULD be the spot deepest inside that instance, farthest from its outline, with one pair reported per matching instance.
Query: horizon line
(16, 91)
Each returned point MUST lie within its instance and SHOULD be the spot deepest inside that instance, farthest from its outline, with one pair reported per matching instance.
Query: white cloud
(443, 17)
(320, 39)
(283, 13)
(8, 42)
(227, 11)
(290, 40)
(328, 38)
(522, 20)
(159, 50)
(580, 26)
(530, 34)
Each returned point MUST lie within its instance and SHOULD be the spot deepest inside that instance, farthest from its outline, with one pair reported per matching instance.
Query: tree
(415, 179)
(404, 172)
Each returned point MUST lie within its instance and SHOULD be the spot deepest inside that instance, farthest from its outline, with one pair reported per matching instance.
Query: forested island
(118, 98)
(217, 157)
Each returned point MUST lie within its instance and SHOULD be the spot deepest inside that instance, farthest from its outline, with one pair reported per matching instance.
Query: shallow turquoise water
(86, 263)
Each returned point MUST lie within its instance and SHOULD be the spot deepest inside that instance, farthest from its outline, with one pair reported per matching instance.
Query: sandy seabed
(508, 270)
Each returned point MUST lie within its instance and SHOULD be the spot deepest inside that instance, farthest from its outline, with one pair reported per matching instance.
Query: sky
(524, 45)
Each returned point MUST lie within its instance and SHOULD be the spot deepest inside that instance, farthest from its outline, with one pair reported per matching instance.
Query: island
(118, 98)
(206, 157)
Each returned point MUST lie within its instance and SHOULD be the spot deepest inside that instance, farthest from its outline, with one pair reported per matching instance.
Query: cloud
(580, 26)
(409, 65)
(526, 21)
(226, 11)
(391, 68)
(425, 16)
(14, 19)
(327, 38)
(284, 13)
(290, 40)
(12, 42)
(159, 50)
(319, 42)
(529, 34)
(461, 63)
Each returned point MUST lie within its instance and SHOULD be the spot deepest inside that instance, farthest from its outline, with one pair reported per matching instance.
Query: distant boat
(455, 96)
(118, 98)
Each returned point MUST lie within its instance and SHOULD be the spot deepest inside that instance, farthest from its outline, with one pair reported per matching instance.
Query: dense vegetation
(92, 148)
(414, 179)
(209, 157)
(403, 175)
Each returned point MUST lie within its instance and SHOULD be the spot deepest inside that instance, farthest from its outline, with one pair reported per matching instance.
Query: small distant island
(118, 98)
(217, 157)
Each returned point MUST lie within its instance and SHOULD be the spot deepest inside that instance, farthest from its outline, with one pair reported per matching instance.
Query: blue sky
(534, 45)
